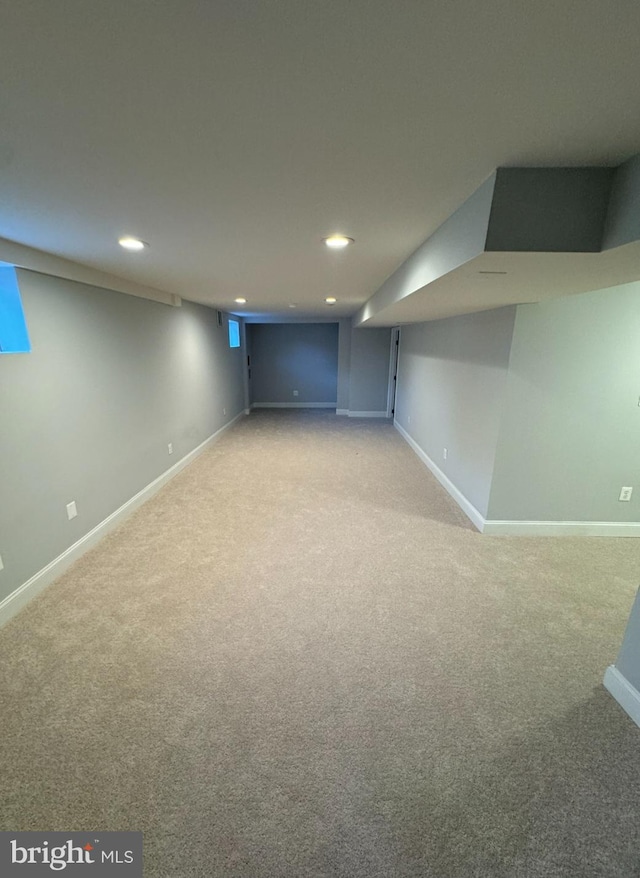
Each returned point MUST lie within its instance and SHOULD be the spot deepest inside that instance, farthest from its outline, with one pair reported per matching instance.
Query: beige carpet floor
(300, 659)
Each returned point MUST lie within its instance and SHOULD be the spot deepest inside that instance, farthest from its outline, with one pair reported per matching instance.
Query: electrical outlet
(295, 392)
(72, 510)
(408, 419)
(1, 564)
(170, 447)
(445, 453)
(224, 411)
(625, 494)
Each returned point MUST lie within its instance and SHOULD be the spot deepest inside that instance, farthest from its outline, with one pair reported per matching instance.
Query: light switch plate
(72, 510)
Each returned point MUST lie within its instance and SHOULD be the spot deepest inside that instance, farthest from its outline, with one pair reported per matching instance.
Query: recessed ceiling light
(240, 301)
(337, 242)
(331, 300)
(130, 243)
(292, 306)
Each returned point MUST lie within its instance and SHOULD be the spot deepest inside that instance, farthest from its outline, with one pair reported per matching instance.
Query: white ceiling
(232, 135)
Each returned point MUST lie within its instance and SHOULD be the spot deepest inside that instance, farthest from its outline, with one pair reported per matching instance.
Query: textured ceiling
(233, 135)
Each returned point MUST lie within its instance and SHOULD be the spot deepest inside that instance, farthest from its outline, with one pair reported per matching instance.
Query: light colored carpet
(300, 659)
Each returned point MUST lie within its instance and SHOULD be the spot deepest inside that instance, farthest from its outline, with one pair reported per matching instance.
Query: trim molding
(468, 508)
(394, 362)
(316, 405)
(14, 602)
(562, 528)
(624, 693)
(367, 414)
(293, 405)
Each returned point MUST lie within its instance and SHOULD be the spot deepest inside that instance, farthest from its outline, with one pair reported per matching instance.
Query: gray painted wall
(571, 426)
(294, 356)
(369, 370)
(549, 209)
(628, 661)
(451, 384)
(88, 414)
(623, 217)
(344, 364)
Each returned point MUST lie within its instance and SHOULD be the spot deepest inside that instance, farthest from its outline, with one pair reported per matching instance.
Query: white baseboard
(366, 414)
(293, 405)
(624, 693)
(14, 602)
(561, 528)
(468, 508)
(317, 405)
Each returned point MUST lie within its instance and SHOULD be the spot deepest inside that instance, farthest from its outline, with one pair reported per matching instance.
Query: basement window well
(234, 334)
(14, 336)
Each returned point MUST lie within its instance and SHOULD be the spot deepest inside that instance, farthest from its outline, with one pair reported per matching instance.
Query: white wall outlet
(625, 494)
(170, 447)
(72, 510)
(224, 411)
(1, 564)
(408, 419)
(295, 392)
(445, 453)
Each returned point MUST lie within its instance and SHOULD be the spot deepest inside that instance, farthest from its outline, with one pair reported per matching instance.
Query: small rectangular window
(234, 334)
(14, 337)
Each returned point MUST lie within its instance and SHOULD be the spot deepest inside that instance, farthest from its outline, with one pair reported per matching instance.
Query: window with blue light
(234, 334)
(14, 337)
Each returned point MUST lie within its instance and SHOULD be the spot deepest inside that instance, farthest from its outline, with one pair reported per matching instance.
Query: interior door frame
(392, 388)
